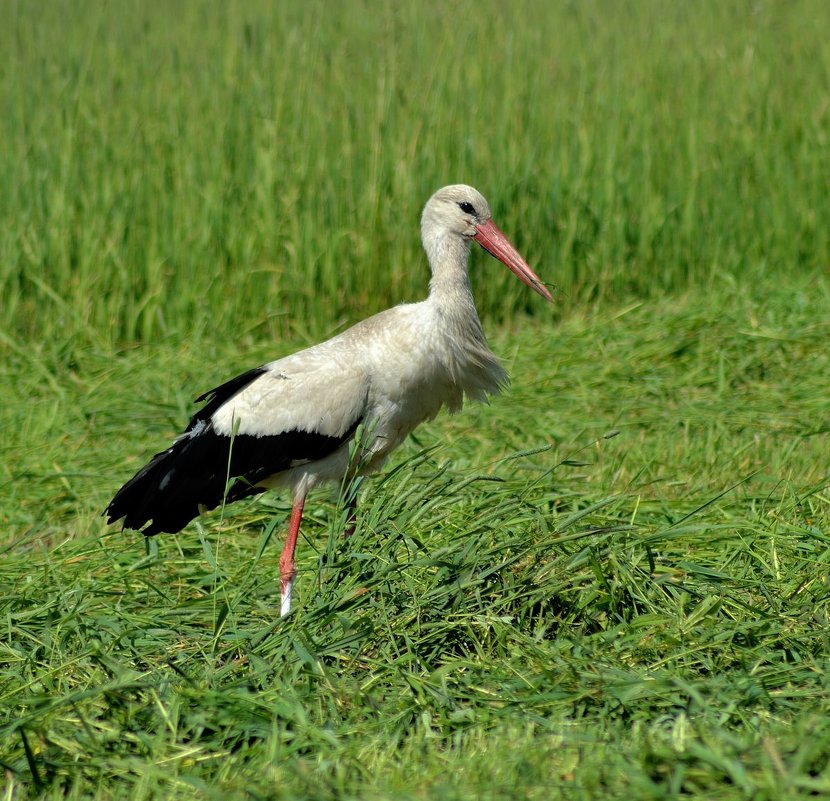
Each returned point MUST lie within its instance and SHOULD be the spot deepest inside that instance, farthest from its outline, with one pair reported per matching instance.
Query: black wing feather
(169, 490)
(217, 396)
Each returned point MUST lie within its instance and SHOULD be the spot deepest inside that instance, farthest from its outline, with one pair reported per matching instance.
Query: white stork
(290, 423)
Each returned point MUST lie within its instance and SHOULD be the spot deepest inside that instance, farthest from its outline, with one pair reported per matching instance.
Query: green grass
(612, 582)
(531, 600)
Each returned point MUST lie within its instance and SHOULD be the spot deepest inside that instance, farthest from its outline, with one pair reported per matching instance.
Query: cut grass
(532, 602)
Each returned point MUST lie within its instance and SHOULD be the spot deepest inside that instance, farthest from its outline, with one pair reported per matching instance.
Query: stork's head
(460, 211)
(456, 209)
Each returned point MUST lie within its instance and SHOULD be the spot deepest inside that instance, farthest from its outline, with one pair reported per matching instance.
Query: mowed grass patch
(610, 581)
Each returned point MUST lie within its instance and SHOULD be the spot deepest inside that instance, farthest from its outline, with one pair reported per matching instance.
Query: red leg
(287, 568)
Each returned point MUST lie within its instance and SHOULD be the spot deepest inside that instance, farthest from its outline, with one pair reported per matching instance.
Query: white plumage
(291, 422)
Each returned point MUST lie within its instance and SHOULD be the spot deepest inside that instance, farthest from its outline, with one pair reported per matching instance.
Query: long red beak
(498, 245)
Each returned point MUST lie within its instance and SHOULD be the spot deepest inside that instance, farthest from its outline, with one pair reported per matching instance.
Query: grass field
(610, 583)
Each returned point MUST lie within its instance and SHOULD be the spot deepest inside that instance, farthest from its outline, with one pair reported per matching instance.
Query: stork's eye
(467, 208)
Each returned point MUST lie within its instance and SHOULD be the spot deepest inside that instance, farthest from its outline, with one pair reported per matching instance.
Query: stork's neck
(464, 352)
(450, 283)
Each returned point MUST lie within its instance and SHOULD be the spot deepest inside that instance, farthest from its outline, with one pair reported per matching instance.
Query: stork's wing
(253, 427)
(217, 396)
(320, 390)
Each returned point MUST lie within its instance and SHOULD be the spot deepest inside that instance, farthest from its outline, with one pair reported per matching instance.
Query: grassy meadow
(612, 582)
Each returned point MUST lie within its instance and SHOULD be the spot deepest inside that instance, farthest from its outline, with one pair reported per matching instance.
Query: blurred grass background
(224, 166)
(611, 583)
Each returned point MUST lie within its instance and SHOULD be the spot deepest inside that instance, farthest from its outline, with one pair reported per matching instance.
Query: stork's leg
(287, 569)
(351, 520)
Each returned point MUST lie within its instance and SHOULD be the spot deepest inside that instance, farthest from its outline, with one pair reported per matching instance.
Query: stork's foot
(288, 570)
(285, 596)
